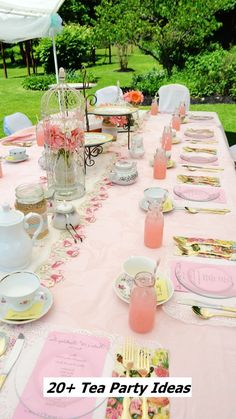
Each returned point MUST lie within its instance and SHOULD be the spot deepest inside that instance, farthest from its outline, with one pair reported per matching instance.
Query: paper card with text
(63, 355)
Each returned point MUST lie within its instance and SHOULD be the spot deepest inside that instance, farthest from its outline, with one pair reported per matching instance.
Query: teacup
(155, 194)
(136, 264)
(17, 153)
(19, 289)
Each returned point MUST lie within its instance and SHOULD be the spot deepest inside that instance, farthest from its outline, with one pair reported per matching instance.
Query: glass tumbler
(142, 307)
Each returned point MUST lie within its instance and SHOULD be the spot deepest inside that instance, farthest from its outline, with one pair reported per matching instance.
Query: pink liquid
(167, 141)
(176, 122)
(159, 167)
(142, 309)
(153, 231)
(182, 109)
(40, 135)
(154, 108)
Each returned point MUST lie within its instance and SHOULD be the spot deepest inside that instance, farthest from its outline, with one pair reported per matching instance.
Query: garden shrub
(150, 82)
(207, 74)
(42, 82)
(212, 73)
(73, 45)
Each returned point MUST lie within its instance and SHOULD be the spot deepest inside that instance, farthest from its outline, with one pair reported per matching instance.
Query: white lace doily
(186, 314)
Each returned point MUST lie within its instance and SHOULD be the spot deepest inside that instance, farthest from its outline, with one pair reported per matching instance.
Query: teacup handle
(40, 227)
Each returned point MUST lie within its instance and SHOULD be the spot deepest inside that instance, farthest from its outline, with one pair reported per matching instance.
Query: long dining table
(81, 276)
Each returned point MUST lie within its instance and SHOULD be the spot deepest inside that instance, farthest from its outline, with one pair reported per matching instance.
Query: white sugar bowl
(137, 149)
(124, 172)
(65, 215)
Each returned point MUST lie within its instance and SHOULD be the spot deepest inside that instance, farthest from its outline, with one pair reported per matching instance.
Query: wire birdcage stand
(62, 110)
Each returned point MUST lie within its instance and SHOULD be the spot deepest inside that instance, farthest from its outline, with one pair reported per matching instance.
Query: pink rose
(161, 371)
(111, 401)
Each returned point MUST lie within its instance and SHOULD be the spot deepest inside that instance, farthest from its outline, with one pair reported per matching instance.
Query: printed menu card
(63, 355)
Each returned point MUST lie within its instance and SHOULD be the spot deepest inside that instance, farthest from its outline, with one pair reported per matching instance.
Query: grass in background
(13, 98)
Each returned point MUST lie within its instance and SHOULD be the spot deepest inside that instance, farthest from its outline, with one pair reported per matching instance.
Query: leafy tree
(169, 30)
(118, 22)
(82, 12)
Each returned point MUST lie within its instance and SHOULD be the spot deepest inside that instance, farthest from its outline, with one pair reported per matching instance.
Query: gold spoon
(207, 210)
(194, 169)
(206, 314)
(3, 342)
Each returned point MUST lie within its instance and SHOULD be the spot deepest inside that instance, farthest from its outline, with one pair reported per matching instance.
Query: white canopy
(27, 19)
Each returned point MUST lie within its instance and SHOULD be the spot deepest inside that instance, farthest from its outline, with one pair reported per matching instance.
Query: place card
(63, 355)
(202, 247)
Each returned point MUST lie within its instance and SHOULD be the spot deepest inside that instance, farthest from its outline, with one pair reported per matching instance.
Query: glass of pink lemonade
(142, 307)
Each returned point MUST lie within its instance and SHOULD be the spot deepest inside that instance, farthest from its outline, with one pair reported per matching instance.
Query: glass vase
(64, 154)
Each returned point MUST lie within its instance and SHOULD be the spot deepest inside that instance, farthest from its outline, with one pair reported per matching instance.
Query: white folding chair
(15, 122)
(171, 95)
(109, 94)
(232, 150)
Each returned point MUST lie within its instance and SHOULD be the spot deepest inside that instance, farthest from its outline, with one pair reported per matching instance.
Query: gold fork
(143, 368)
(128, 355)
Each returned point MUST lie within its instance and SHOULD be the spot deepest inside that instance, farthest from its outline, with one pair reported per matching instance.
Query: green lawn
(14, 98)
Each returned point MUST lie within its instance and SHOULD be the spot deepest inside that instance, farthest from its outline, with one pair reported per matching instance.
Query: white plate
(199, 133)
(48, 301)
(10, 159)
(96, 138)
(200, 117)
(198, 158)
(113, 110)
(123, 285)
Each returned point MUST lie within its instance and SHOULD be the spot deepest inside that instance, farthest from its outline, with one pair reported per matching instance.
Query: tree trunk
(93, 54)
(32, 57)
(4, 60)
(122, 51)
(22, 51)
(27, 56)
(109, 50)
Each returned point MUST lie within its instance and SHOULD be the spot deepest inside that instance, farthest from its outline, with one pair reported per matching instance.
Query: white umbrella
(21, 20)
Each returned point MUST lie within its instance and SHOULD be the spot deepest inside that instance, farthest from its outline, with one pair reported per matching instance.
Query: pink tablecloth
(86, 298)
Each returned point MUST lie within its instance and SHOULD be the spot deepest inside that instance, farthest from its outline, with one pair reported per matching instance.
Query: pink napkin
(221, 199)
(63, 354)
(26, 134)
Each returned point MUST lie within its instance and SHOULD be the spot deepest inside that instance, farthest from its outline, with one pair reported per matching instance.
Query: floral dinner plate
(198, 158)
(123, 285)
(47, 299)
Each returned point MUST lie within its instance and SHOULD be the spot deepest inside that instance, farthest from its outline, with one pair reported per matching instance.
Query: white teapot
(124, 173)
(15, 244)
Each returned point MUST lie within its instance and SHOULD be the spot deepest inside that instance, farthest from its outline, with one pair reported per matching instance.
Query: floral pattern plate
(47, 298)
(167, 206)
(123, 285)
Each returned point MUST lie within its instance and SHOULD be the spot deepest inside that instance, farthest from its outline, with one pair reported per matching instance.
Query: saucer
(170, 163)
(123, 285)
(176, 140)
(48, 301)
(167, 206)
(11, 159)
